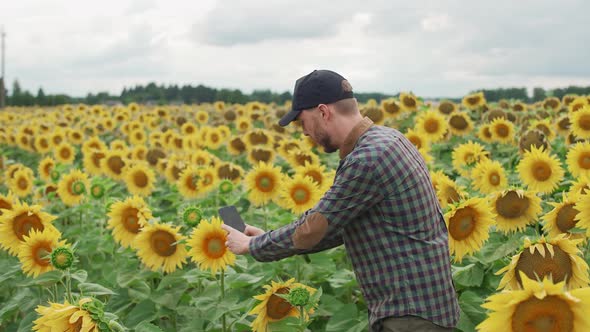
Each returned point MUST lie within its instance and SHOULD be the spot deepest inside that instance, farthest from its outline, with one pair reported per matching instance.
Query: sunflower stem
(69, 286)
(265, 219)
(301, 318)
(222, 284)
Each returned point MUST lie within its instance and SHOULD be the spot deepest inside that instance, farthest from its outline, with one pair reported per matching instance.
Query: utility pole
(2, 88)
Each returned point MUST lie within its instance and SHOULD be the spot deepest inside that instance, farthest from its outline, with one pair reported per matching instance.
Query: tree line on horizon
(189, 94)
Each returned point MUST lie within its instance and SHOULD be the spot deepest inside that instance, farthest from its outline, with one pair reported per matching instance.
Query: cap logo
(346, 87)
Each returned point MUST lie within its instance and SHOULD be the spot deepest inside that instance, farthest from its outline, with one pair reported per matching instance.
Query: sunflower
(214, 139)
(514, 209)
(113, 163)
(408, 102)
(539, 306)
(119, 145)
(43, 144)
(64, 153)
(468, 224)
(534, 138)
(432, 125)
(17, 223)
(581, 122)
(303, 156)
(563, 216)
(446, 107)
(261, 154)
(502, 130)
(474, 100)
(436, 177)
(258, 137)
(263, 183)
(208, 250)
(557, 259)
(46, 165)
(466, 155)
(140, 179)
(299, 194)
(65, 317)
(519, 107)
(563, 125)
(544, 126)
(229, 171)
(93, 143)
(449, 192)
(274, 308)
(318, 174)
(579, 187)
(415, 138)
(236, 146)
(6, 202)
(583, 217)
(21, 182)
(578, 159)
(91, 161)
(72, 187)
(243, 124)
(577, 104)
(188, 182)
(376, 114)
(35, 249)
(161, 246)
(460, 123)
(391, 107)
(188, 128)
(202, 117)
(489, 176)
(552, 103)
(126, 218)
(540, 171)
(484, 133)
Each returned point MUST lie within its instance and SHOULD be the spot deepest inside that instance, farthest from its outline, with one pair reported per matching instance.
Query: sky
(432, 48)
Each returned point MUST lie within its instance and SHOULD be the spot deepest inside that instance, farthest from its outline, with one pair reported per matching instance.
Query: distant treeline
(188, 94)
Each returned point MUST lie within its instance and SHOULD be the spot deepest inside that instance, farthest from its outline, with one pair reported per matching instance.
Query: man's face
(314, 126)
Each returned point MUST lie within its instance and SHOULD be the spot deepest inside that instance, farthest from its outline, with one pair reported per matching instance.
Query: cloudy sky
(433, 48)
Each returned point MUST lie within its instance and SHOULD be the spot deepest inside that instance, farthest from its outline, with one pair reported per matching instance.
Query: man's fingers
(227, 228)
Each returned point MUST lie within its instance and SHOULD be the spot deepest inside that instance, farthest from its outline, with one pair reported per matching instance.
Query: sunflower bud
(298, 297)
(97, 190)
(54, 175)
(78, 188)
(226, 186)
(62, 258)
(115, 326)
(192, 215)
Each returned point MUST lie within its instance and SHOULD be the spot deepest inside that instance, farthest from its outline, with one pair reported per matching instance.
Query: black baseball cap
(318, 87)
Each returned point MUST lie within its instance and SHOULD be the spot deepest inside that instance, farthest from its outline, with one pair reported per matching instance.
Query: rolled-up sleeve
(320, 228)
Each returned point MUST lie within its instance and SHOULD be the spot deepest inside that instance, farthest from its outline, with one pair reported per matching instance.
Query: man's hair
(347, 106)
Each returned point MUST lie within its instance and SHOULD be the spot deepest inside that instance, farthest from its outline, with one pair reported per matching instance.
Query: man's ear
(325, 112)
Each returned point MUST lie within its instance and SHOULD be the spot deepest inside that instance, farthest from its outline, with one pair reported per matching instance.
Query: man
(382, 207)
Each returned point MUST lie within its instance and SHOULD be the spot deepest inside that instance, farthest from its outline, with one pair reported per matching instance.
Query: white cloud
(434, 48)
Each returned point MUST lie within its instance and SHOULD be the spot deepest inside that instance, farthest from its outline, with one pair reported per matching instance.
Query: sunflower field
(109, 215)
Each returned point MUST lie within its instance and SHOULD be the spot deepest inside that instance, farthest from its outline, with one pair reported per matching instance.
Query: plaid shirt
(383, 208)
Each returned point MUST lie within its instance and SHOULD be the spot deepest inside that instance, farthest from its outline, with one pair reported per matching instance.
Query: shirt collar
(356, 132)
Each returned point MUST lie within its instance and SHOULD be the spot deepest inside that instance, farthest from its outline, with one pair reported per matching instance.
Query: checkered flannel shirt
(383, 208)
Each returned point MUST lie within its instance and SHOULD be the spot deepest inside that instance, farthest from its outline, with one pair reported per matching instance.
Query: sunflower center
(65, 153)
(96, 157)
(512, 205)
(409, 102)
(502, 130)
(473, 100)
(486, 132)
(78, 188)
(302, 159)
(458, 122)
(140, 179)
(315, 175)
(462, 224)
(40, 253)
(278, 308)
(584, 160)
(130, 220)
(536, 266)
(4, 204)
(238, 145)
(300, 195)
(23, 223)
(446, 108)
(566, 217)
(116, 164)
(431, 126)
(392, 108)
(416, 141)
(258, 138)
(264, 183)
(541, 171)
(452, 195)
(584, 122)
(23, 183)
(163, 243)
(551, 314)
(494, 179)
(261, 155)
(47, 168)
(215, 247)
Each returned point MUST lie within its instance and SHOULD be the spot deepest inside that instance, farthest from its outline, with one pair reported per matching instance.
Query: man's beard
(324, 140)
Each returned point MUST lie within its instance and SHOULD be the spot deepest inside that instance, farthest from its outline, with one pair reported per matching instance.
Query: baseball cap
(318, 87)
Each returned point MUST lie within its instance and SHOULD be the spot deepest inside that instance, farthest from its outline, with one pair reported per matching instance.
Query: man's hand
(238, 242)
